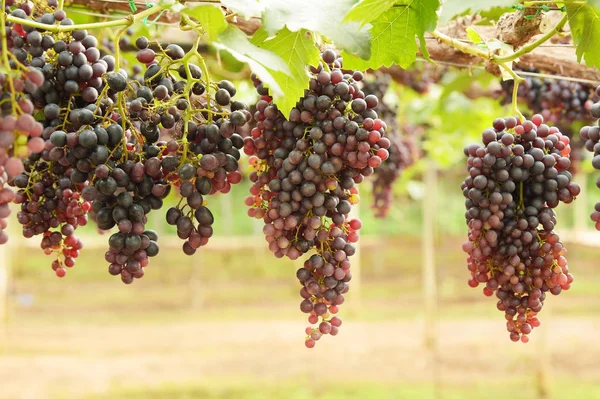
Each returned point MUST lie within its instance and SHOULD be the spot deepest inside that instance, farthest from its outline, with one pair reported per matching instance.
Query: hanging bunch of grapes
(516, 179)
(307, 167)
(403, 150)
(112, 146)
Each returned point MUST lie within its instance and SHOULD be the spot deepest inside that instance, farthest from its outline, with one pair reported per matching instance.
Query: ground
(222, 337)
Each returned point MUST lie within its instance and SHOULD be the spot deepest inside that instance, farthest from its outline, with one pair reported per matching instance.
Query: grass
(234, 284)
(327, 389)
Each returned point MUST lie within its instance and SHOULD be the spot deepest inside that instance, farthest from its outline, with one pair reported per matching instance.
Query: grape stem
(186, 94)
(127, 21)
(521, 204)
(461, 46)
(6, 62)
(120, 96)
(203, 66)
(517, 79)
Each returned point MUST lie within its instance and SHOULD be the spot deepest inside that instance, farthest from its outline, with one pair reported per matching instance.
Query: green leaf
(320, 16)
(259, 37)
(262, 62)
(426, 22)
(393, 35)
(585, 29)
(210, 17)
(594, 3)
(427, 14)
(452, 8)
(489, 17)
(473, 36)
(298, 51)
(368, 10)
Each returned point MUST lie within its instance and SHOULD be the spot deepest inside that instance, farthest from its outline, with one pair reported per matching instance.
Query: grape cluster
(113, 145)
(591, 138)
(515, 180)
(304, 183)
(560, 102)
(420, 78)
(403, 150)
(19, 131)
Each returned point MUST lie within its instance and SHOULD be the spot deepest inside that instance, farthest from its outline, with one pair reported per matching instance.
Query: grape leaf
(262, 62)
(452, 8)
(473, 36)
(368, 10)
(426, 22)
(259, 37)
(585, 29)
(393, 35)
(594, 3)
(321, 16)
(210, 17)
(245, 8)
(493, 14)
(298, 51)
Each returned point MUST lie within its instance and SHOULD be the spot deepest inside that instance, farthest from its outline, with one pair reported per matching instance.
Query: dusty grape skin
(110, 143)
(309, 164)
(511, 190)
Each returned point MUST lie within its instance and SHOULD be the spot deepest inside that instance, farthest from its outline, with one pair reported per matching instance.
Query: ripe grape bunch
(420, 78)
(560, 102)
(403, 150)
(591, 137)
(307, 167)
(515, 180)
(112, 145)
(403, 153)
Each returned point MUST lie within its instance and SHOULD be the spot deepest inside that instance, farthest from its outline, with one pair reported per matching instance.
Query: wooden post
(430, 324)
(257, 231)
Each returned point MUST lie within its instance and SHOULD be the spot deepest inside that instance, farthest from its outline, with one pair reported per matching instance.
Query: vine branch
(461, 46)
(487, 55)
(533, 45)
(127, 21)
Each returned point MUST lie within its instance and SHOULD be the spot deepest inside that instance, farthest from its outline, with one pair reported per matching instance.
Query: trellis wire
(520, 73)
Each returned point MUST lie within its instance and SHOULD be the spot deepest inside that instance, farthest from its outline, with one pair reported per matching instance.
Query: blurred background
(225, 323)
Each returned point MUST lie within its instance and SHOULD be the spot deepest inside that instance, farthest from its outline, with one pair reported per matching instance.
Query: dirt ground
(78, 361)
(89, 335)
